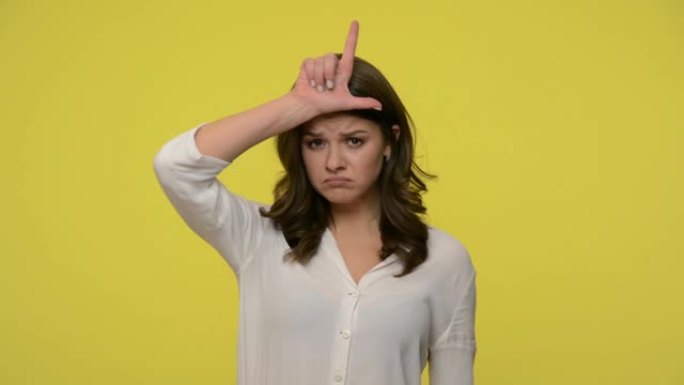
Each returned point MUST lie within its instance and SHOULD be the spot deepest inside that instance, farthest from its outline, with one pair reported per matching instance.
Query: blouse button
(345, 334)
(338, 377)
(354, 293)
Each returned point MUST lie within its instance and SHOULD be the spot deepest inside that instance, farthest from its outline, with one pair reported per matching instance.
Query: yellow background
(556, 128)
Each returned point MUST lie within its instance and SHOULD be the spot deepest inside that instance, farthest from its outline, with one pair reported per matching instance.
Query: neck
(361, 216)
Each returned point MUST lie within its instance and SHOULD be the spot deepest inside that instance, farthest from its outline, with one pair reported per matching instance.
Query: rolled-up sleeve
(452, 355)
(230, 223)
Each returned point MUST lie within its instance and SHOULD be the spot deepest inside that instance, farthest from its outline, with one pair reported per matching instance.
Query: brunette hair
(302, 214)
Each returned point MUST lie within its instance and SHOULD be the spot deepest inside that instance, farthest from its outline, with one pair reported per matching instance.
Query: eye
(356, 142)
(313, 143)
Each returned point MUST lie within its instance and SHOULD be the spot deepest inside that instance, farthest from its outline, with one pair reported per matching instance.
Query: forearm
(228, 137)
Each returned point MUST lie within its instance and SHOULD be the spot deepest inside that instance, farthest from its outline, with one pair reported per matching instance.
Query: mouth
(336, 180)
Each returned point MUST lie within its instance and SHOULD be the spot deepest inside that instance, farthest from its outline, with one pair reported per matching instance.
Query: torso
(307, 309)
(359, 253)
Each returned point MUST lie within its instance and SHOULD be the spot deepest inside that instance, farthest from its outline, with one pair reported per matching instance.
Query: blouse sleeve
(452, 355)
(230, 223)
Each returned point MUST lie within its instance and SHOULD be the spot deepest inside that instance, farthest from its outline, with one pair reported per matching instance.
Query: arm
(228, 222)
(229, 137)
(187, 166)
(452, 356)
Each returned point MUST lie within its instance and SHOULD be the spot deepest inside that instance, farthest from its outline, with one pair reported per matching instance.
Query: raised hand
(323, 82)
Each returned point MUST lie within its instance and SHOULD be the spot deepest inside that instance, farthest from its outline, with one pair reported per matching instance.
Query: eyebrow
(316, 134)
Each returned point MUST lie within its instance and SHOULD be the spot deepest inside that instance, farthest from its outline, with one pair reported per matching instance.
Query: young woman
(340, 281)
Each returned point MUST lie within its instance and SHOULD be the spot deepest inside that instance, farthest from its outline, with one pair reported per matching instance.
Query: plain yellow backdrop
(556, 129)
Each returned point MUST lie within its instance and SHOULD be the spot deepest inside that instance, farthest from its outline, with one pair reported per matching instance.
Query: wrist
(300, 110)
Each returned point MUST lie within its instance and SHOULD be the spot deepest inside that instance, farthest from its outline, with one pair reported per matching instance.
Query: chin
(339, 197)
(340, 200)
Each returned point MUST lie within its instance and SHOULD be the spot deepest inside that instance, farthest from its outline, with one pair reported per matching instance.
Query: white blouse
(313, 325)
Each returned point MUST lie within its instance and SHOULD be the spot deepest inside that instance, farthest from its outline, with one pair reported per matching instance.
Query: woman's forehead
(338, 123)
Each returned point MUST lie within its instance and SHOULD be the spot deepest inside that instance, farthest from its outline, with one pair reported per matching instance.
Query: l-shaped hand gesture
(323, 82)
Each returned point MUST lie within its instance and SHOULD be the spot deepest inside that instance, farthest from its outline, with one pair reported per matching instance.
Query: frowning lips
(336, 179)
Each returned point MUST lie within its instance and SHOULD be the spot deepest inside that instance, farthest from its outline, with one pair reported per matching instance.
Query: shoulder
(448, 251)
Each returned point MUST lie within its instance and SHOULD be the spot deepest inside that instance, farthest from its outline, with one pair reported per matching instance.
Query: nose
(335, 159)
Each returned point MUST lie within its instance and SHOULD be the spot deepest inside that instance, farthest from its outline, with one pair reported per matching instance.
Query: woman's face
(343, 156)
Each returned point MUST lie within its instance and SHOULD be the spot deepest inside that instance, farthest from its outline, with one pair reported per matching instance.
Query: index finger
(347, 59)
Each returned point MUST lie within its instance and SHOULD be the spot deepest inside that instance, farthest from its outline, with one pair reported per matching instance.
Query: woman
(340, 281)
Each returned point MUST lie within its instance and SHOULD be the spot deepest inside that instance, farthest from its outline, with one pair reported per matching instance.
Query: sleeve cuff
(193, 151)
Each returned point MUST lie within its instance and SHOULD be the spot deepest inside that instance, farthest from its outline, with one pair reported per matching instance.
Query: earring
(386, 157)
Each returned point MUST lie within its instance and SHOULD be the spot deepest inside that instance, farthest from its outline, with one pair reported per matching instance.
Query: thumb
(362, 103)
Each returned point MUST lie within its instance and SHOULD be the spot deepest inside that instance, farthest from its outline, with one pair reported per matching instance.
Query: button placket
(342, 341)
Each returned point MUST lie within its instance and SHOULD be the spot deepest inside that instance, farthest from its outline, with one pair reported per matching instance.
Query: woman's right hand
(322, 83)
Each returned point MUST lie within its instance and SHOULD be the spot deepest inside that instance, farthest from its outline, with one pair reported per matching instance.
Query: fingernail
(377, 108)
(329, 83)
(319, 88)
(312, 82)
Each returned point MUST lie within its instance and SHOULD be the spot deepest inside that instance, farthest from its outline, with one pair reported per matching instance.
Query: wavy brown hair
(302, 214)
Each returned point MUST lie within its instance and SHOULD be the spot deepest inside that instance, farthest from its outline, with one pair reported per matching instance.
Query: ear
(396, 131)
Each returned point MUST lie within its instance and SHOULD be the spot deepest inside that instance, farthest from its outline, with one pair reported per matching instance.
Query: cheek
(370, 165)
(309, 162)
